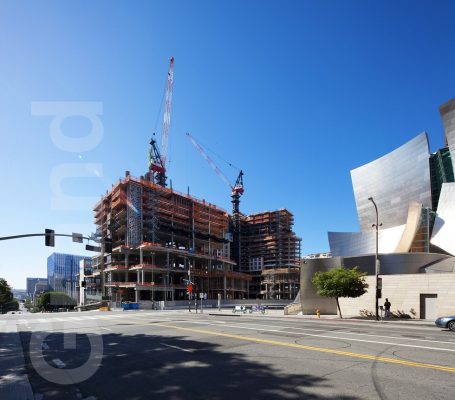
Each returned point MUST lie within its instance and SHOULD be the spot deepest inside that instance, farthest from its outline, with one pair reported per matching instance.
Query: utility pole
(102, 269)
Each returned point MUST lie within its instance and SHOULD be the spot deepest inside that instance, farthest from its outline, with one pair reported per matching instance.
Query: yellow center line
(313, 348)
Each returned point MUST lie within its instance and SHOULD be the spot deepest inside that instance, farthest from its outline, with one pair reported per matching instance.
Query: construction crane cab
(238, 186)
(157, 159)
(156, 166)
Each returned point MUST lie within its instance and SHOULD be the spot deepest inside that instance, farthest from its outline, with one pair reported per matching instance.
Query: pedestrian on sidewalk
(387, 305)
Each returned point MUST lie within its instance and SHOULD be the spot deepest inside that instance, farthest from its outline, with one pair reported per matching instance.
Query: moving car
(446, 322)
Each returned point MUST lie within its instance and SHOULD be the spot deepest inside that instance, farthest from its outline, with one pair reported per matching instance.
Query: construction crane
(157, 159)
(237, 191)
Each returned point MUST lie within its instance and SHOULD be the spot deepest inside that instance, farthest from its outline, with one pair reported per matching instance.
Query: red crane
(157, 159)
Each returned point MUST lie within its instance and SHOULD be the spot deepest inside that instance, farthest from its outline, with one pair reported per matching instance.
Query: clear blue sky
(297, 93)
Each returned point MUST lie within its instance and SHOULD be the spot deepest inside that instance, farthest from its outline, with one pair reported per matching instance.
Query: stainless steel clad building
(414, 191)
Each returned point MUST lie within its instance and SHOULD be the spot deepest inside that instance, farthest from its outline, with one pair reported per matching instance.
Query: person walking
(387, 305)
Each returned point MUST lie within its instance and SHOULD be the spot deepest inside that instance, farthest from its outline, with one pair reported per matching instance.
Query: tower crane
(157, 159)
(237, 191)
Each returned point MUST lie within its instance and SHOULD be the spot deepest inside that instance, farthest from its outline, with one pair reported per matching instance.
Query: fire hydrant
(318, 313)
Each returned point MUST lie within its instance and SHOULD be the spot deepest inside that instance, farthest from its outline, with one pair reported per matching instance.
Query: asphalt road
(177, 355)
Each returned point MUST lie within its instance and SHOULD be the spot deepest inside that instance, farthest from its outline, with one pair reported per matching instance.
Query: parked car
(446, 322)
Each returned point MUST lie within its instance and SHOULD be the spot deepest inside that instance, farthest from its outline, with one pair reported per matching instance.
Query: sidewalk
(280, 314)
(326, 318)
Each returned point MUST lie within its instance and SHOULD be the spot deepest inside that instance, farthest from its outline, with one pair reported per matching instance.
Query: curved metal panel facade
(394, 181)
(392, 240)
(443, 234)
(347, 244)
(447, 112)
(412, 225)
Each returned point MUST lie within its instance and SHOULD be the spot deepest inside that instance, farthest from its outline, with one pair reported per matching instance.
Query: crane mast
(157, 159)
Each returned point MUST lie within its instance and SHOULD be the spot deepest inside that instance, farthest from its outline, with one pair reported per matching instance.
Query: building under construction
(270, 253)
(161, 245)
(161, 241)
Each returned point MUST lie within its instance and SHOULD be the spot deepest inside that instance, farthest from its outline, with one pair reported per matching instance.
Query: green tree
(7, 302)
(340, 282)
(49, 301)
(30, 306)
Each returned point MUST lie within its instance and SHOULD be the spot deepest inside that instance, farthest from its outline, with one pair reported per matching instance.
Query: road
(178, 355)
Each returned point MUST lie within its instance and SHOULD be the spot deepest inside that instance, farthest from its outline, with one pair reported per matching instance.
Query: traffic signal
(50, 237)
(83, 283)
(89, 247)
(108, 245)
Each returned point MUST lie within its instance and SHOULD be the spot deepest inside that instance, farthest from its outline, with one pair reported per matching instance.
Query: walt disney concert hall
(414, 191)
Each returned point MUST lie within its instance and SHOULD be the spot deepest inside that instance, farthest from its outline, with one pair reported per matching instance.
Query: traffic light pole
(37, 234)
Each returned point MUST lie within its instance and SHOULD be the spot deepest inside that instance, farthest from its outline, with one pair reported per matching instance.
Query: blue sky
(297, 93)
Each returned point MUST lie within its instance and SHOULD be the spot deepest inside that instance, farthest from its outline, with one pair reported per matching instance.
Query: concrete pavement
(14, 382)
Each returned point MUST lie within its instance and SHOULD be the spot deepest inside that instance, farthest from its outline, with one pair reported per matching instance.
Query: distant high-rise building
(40, 287)
(62, 271)
(30, 287)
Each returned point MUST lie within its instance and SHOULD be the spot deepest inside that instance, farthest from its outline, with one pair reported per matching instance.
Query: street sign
(201, 295)
(77, 237)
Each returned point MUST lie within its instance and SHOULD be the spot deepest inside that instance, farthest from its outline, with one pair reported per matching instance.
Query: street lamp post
(376, 259)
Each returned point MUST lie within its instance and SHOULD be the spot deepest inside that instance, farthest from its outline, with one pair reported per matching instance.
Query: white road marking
(352, 333)
(177, 347)
(329, 337)
(45, 346)
(106, 329)
(385, 336)
(59, 363)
